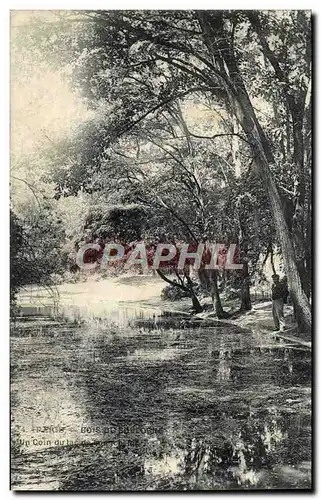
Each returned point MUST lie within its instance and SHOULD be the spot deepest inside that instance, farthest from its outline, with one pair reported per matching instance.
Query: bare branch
(32, 189)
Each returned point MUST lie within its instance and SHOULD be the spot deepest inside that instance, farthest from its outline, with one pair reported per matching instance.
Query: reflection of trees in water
(168, 439)
(128, 396)
(236, 456)
(232, 454)
(225, 362)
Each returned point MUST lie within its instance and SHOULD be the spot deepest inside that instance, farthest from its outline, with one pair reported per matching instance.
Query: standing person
(286, 293)
(277, 303)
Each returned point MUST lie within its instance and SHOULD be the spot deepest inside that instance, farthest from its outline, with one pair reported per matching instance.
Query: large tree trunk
(302, 306)
(298, 106)
(255, 133)
(218, 43)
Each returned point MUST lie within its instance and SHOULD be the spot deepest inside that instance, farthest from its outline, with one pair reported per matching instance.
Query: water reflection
(155, 401)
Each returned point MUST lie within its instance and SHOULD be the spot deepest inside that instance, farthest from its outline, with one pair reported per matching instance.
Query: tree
(203, 51)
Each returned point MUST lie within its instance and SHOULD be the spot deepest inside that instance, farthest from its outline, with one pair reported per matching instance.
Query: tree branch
(32, 189)
(173, 283)
(219, 135)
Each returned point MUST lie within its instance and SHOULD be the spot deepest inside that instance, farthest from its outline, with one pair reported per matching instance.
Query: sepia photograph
(161, 250)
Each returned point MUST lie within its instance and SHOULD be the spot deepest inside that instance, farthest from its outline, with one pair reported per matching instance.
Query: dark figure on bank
(280, 294)
(284, 282)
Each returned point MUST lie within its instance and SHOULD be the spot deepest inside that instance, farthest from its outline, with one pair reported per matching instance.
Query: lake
(113, 390)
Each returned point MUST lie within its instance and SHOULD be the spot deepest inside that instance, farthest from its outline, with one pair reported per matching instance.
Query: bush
(35, 244)
(232, 294)
(173, 293)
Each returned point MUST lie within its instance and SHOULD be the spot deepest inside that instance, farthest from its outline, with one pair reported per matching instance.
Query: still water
(143, 399)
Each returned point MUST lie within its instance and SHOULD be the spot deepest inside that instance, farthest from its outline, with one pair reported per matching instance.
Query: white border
(161, 4)
(4, 198)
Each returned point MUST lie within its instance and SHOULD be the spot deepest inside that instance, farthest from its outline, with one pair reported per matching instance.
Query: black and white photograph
(161, 271)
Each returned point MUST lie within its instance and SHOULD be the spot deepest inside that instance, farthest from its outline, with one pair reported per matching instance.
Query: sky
(41, 101)
(42, 108)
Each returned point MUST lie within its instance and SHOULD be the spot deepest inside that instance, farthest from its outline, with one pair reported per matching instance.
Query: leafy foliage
(167, 153)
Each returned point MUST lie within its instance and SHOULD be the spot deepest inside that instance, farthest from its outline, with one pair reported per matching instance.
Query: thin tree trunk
(196, 304)
(245, 290)
(208, 278)
(217, 304)
(272, 260)
(235, 148)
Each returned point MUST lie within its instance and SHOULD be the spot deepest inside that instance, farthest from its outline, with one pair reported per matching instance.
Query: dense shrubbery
(35, 250)
(173, 293)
